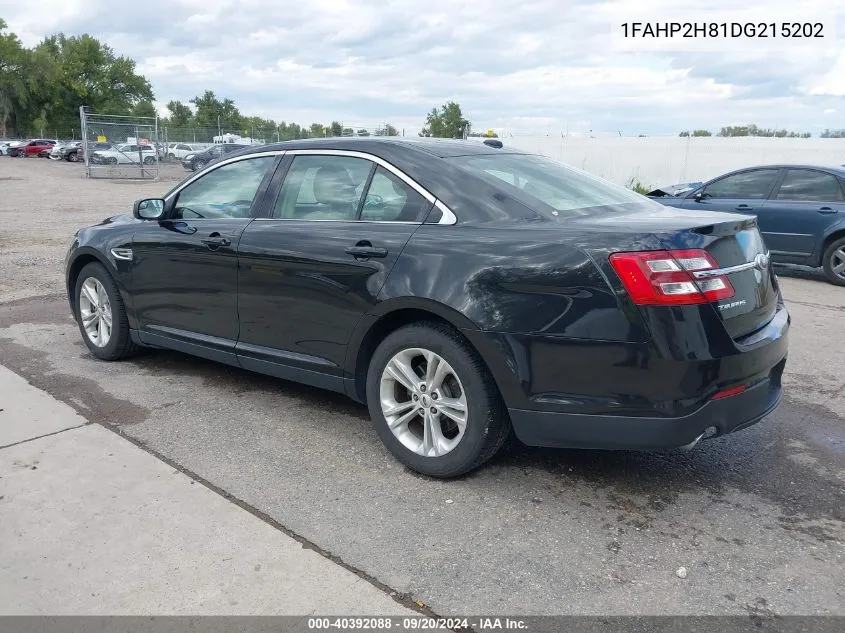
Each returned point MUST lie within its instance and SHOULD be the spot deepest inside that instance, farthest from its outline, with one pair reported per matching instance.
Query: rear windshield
(537, 178)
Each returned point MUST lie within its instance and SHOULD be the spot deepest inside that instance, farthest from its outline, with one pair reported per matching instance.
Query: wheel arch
(391, 315)
(83, 257)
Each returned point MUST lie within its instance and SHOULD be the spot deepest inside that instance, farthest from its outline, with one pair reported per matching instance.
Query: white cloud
(534, 66)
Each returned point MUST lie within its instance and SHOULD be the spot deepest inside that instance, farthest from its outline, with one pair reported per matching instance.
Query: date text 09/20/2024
(784, 30)
(418, 623)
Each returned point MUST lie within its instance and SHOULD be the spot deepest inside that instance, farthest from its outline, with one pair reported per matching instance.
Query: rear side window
(810, 186)
(537, 178)
(390, 199)
(753, 185)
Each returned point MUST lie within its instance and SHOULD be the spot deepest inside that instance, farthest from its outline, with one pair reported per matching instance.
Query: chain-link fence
(120, 146)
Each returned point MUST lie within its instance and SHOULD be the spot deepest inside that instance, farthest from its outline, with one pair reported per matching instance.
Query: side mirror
(148, 209)
(698, 195)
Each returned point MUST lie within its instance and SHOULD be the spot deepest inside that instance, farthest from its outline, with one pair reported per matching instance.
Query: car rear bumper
(716, 417)
(628, 395)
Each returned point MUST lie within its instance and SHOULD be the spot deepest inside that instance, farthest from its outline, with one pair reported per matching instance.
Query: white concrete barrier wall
(661, 161)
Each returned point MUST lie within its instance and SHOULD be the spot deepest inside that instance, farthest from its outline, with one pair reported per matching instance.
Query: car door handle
(744, 207)
(827, 210)
(215, 241)
(365, 249)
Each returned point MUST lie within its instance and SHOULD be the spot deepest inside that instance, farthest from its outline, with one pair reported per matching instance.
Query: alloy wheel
(837, 262)
(423, 402)
(95, 312)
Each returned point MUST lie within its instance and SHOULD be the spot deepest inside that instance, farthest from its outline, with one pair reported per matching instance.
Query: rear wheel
(833, 262)
(149, 160)
(73, 157)
(101, 314)
(111, 161)
(433, 401)
(199, 165)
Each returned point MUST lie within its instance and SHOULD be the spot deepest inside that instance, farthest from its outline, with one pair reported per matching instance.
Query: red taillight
(727, 393)
(665, 277)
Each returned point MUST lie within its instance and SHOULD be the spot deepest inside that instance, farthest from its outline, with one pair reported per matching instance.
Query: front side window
(389, 199)
(810, 186)
(323, 188)
(749, 185)
(225, 192)
(534, 179)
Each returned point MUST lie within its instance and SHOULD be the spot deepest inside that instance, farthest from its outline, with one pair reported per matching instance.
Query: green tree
(317, 130)
(753, 130)
(335, 129)
(828, 133)
(181, 114)
(291, 131)
(81, 70)
(212, 112)
(446, 122)
(14, 93)
(144, 109)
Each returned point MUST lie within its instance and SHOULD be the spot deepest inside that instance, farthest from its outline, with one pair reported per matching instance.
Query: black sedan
(197, 160)
(459, 290)
(800, 210)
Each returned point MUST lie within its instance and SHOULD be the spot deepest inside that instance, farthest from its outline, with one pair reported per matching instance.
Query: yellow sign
(101, 139)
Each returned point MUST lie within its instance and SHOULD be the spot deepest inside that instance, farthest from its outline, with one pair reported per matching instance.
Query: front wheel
(198, 165)
(833, 262)
(433, 401)
(101, 314)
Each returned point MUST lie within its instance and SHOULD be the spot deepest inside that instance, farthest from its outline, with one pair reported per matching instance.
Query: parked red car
(33, 147)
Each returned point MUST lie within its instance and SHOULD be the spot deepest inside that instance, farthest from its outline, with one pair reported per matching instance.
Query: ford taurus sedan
(800, 210)
(460, 290)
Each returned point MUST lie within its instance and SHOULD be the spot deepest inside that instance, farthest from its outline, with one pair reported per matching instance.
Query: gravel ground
(757, 519)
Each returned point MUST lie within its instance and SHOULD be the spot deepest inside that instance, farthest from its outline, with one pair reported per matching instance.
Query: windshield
(537, 178)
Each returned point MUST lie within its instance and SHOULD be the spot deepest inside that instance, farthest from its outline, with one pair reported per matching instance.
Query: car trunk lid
(732, 241)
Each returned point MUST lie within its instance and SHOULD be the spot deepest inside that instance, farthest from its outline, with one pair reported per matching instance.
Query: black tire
(830, 254)
(487, 423)
(111, 160)
(73, 157)
(149, 160)
(120, 344)
(198, 165)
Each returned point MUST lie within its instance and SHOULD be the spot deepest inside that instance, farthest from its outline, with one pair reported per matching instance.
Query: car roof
(441, 148)
(836, 169)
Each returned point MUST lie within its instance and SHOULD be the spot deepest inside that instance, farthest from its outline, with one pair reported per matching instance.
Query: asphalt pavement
(755, 518)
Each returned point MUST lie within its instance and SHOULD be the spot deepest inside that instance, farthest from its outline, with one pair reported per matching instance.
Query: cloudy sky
(529, 66)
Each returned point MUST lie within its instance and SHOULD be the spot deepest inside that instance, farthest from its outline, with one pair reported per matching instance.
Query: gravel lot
(757, 519)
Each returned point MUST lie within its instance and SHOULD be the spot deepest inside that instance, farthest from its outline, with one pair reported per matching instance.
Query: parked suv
(178, 151)
(125, 154)
(33, 147)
